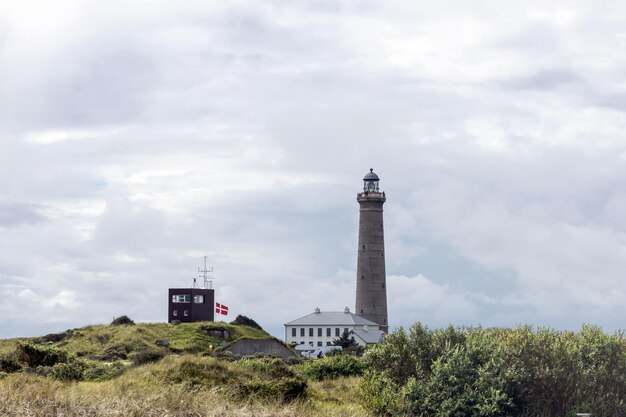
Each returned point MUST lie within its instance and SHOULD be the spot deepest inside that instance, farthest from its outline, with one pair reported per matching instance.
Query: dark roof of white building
(331, 318)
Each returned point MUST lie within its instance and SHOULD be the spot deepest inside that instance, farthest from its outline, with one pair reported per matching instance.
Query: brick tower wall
(371, 291)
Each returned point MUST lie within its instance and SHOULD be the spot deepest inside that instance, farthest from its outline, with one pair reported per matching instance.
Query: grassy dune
(164, 389)
(188, 381)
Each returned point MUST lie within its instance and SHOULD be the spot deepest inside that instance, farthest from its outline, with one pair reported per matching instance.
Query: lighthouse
(371, 291)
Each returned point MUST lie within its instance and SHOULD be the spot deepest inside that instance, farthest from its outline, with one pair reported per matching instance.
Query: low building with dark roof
(321, 328)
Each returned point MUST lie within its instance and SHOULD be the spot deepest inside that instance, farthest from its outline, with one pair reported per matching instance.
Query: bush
(245, 321)
(97, 371)
(498, 372)
(147, 356)
(286, 389)
(209, 372)
(271, 367)
(9, 364)
(114, 352)
(34, 356)
(332, 367)
(122, 320)
(72, 371)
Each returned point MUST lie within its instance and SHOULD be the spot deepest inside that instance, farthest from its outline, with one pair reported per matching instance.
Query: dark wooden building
(191, 304)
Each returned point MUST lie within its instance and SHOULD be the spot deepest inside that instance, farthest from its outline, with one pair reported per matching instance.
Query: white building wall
(315, 340)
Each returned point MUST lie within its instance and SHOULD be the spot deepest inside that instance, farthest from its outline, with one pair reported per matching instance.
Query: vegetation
(157, 369)
(348, 344)
(332, 367)
(496, 372)
(164, 370)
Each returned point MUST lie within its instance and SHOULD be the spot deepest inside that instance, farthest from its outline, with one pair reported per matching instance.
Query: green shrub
(207, 372)
(9, 364)
(147, 356)
(271, 367)
(34, 355)
(285, 389)
(499, 372)
(97, 371)
(114, 352)
(122, 320)
(72, 371)
(332, 367)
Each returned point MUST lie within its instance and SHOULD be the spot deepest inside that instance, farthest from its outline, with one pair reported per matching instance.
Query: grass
(188, 382)
(95, 340)
(167, 389)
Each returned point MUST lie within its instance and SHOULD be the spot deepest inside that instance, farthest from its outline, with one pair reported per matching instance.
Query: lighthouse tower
(371, 291)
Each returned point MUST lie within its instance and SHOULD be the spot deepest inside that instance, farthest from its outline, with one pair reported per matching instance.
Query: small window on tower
(383, 285)
(362, 277)
(361, 311)
(363, 246)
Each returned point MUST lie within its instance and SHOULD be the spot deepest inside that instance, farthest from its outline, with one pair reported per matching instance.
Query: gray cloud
(135, 140)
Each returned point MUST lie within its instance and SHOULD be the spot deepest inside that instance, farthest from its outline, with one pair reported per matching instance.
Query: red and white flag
(221, 309)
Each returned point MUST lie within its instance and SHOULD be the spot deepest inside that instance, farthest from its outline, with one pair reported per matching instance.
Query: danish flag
(221, 309)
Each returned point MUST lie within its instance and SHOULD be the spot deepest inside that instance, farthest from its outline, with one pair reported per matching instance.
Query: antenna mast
(208, 279)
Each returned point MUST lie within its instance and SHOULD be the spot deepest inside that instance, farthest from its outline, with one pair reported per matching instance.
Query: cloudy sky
(137, 137)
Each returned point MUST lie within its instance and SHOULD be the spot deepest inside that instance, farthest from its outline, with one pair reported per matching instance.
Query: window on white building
(319, 332)
(328, 332)
(345, 330)
(319, 343)
(293, 332)
(302, 332)
(311, 332)
(337, 332)
(327, 343)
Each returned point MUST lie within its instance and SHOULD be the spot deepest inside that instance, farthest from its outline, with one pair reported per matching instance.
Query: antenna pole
(208, 280)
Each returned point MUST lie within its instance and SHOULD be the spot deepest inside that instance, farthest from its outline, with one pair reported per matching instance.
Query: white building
(321, 328)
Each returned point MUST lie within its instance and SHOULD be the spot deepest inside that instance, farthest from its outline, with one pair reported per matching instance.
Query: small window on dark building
(181, 298)
(361, 311)
(185, 313)
(328, 334)
(302, 332)
(362, 277)
(363, 246)
(175, 313)
(310, 331)
(293, 332)
(198, 299)
(319, 332)
(383, 285)
(337, 332)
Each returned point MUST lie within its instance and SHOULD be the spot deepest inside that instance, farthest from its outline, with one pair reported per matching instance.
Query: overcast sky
(136, 137)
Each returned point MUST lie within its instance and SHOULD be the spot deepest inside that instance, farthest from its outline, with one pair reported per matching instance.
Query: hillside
(113, 370)
(109, 342)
